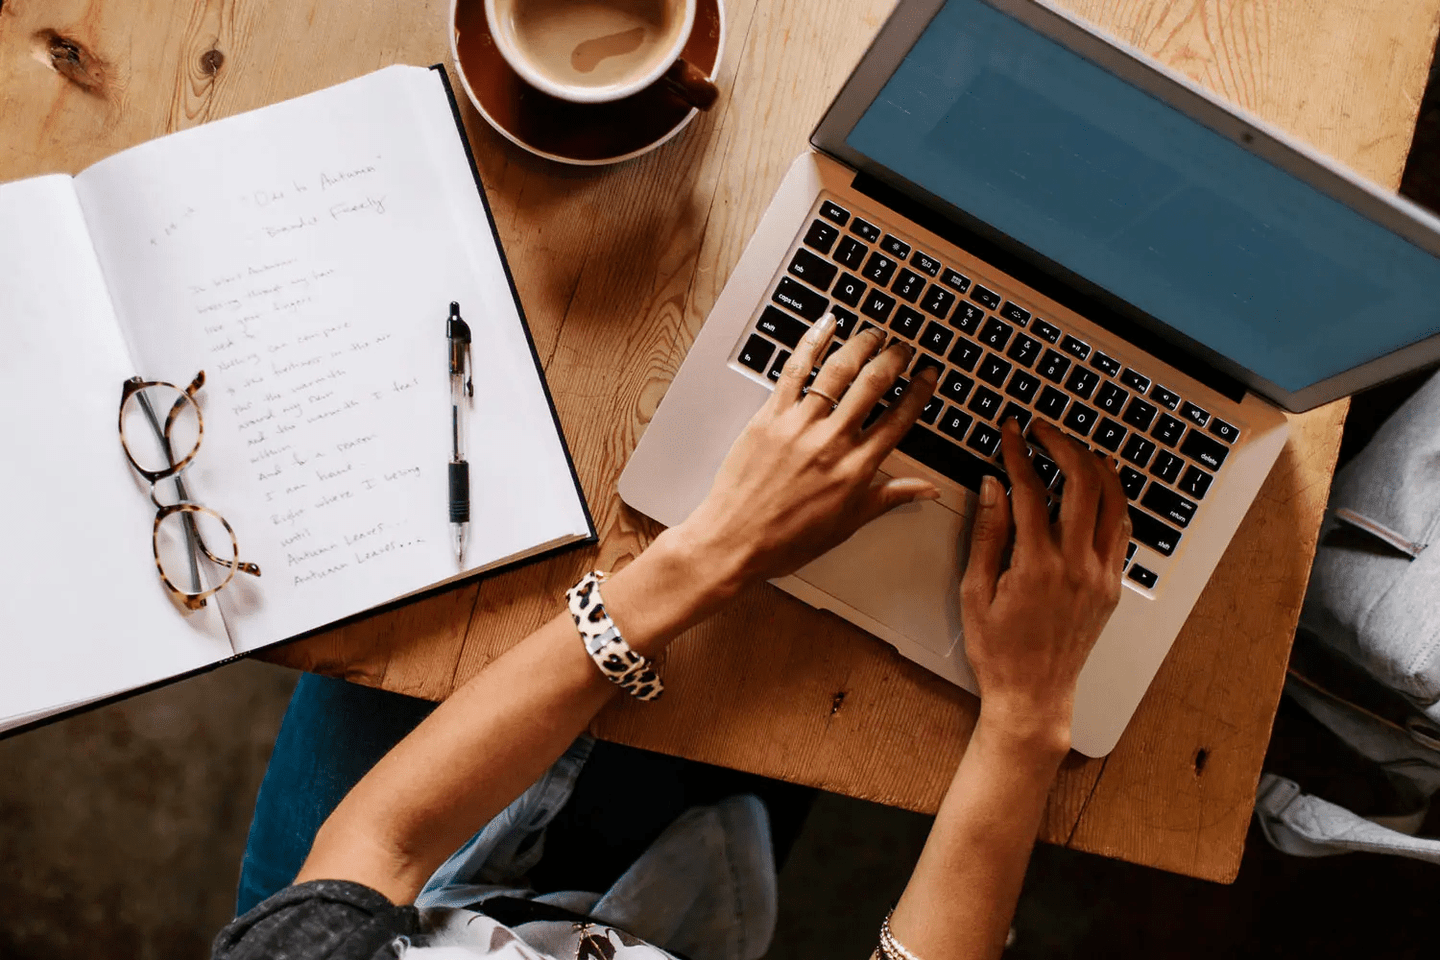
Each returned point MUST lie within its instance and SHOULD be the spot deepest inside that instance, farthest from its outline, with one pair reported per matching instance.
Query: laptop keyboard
(998, 360)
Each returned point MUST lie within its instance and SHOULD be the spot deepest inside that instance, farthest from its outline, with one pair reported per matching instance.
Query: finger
(837, 373)
(1081, 499)
(791, 385)
(884, 497)
(1112, 530)
(1027, 493)
(989, 538)
(894, 422)
(877, 376)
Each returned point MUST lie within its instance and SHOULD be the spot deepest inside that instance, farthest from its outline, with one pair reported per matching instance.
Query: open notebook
(304, 256)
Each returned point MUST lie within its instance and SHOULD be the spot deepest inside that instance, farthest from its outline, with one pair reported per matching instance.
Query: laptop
(1070, 231)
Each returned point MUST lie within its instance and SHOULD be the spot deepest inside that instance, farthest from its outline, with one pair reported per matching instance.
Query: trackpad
(904, 571)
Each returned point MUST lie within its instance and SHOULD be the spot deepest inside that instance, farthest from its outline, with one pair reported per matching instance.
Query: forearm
(497, 733)
(962, 894)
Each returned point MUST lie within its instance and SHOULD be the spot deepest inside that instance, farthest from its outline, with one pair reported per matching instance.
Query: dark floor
(121, 831)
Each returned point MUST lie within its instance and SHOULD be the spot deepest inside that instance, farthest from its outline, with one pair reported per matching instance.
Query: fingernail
(929, 375)
(822, 329)
(989, 491)
(928, 494)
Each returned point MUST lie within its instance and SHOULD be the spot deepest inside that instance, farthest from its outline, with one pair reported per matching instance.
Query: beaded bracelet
(890, 948)
(621, 666)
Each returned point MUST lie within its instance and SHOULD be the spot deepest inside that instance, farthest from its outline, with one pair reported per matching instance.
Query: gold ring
(823, 396)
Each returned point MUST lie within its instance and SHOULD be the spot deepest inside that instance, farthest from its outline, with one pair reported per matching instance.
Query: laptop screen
(1154, 207)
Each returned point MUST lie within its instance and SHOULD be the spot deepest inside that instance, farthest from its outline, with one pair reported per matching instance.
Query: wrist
(1037, 731)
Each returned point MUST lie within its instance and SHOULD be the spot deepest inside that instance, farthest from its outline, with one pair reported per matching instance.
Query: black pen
(462, 388)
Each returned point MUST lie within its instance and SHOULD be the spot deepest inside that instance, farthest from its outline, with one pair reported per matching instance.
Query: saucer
(585, 134)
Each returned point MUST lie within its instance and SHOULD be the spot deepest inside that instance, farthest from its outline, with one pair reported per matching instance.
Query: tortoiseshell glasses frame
(134, 390)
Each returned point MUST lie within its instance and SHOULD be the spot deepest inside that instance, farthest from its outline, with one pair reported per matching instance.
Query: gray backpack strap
(1306, 826)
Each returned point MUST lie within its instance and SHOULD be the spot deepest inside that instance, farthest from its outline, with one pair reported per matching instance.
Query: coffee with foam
(593, 43)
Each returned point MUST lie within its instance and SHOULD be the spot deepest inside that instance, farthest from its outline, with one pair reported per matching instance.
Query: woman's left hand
(801, 477)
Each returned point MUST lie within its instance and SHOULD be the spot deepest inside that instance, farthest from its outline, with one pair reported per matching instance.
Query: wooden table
(618, 268)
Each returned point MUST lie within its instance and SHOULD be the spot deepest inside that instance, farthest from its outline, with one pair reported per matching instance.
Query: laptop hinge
(1088, 306)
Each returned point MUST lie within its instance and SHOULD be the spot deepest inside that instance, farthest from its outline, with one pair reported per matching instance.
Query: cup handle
(686, 81)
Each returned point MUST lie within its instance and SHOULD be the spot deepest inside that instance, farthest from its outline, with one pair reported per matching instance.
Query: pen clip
(469, 372)
(458, 332)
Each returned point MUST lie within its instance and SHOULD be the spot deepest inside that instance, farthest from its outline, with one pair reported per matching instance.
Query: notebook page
(305, 256)
(82, 612)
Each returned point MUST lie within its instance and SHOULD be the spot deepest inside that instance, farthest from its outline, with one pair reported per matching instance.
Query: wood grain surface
(618, 268)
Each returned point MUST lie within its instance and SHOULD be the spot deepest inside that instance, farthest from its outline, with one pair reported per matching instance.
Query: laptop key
(1168, 504)
(845, 322)
(1076, 348)
(1138, 450)
(937, 301)
(849, 290)
(1111, 398)
(966, 354)
(756, 353)
(947, 459)
(1133, 481)
(1139, 414)
(937, 337)
(985, 439)
(1106, 365)
(1194, 414)
(866, 229)
(1168, 430)
(994, 371)
(1023, 386)
(1024, 350)
(968, 317)
(821, 236)
(986, 296)
(1014, 411)
(833, 211)
(908, 285)
(879, 269)
(778, 365)
(1015, 313)
(1224, 430)
(1210, 454)
(1109, 434)
(1080, 418)
(956, 423)
(1167, 467)
(781, 326)
(1135, 381)
(896, 247)
(800, 298)
(1153, 533)
(1046, 468)
(907, 321)
(923, 360)
(925, 263)
(955, 388)
(896, 391)
(955, 280)
(1053, 366)
(995, 334)
(1082, 382)
(1143, 576)
(1045, 330)
(1165, 397)
(814, 271)
(932, 410)
(1195, 482)
(1052, 403)
(851, 253)
(877, 306)
(985, 402)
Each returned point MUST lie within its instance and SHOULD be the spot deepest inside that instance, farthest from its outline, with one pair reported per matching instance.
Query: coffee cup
(597, 51)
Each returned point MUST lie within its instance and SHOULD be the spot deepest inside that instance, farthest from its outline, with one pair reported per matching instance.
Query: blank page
(305, 256)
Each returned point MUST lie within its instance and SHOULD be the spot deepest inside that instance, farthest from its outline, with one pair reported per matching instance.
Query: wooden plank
(618, 268)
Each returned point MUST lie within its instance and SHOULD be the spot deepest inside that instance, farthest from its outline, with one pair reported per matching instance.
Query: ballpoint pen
(462, 388)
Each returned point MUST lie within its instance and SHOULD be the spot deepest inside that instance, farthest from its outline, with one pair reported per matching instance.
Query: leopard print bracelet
(621, 666)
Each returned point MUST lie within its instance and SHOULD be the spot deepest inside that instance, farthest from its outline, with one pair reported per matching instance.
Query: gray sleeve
(329, 919)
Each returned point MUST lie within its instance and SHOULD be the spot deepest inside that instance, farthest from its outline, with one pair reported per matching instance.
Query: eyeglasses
(184, 531)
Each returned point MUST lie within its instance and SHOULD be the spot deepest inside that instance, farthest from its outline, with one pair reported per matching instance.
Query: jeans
(623, 798)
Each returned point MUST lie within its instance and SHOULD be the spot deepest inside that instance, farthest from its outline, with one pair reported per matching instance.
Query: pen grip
(460, 492)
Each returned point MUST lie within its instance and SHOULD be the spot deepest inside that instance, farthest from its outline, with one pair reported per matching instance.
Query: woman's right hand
(1029, 626)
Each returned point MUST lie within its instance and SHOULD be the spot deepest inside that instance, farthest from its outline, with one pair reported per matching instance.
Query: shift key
(800, 298)
(1155, 534)
(781, 326)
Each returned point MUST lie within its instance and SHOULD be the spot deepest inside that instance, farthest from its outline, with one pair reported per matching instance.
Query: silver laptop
(1069, 231)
